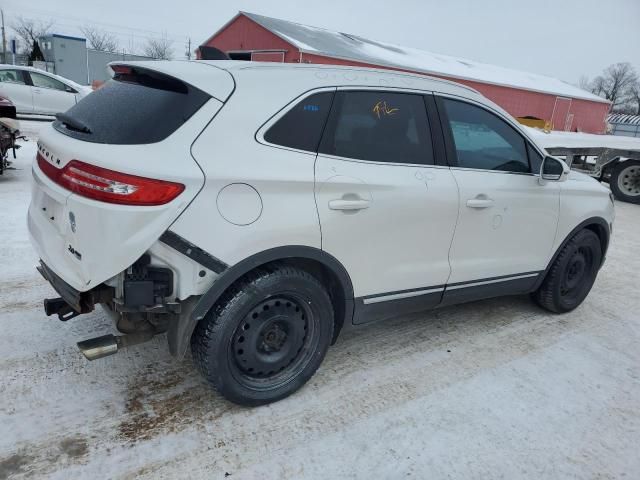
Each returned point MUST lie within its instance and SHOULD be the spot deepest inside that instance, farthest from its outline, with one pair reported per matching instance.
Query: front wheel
(625, 181)
(266, 337)
(572, 274)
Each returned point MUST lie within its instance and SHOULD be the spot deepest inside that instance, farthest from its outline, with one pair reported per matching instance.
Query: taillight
(110, 186)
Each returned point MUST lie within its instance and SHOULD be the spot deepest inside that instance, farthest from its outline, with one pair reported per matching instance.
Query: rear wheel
(266, 337)
(625, 181)
(572, 274)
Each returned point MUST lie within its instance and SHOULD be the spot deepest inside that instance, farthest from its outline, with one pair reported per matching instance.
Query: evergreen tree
(36, 54)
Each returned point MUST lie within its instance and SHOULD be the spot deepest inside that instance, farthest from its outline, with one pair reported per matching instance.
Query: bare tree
(29, 31)
(634, 99)
(597, 86)
(619, 83)
(99, 39)
(159, 48)
(584, 83)
(615, 82)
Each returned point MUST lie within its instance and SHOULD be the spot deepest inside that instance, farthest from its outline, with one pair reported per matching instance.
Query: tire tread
(545, 296)
(216, 321)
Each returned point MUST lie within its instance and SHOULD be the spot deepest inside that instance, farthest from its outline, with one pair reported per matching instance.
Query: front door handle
(480, 202)
(345, 204)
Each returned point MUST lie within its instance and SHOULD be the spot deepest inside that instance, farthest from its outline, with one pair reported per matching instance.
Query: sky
(565, 39)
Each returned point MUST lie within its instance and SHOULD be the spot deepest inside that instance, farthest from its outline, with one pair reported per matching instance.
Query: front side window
(484, 141)
(45, 81)
(379, 126)
(301, 127)
(11, 76)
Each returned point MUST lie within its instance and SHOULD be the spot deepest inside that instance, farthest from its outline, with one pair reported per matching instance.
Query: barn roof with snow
(346, 46)
(559, 105)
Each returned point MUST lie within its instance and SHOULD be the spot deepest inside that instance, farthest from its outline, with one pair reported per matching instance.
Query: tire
(572, 274)
(625, 181)
(266, 337)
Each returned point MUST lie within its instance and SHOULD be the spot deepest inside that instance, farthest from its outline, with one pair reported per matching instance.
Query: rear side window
(12, 76)
(485, 141)
(137, 106)
(380, 127)
(301, 127)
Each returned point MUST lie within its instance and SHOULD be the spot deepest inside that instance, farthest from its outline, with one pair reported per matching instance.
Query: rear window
(137, 106)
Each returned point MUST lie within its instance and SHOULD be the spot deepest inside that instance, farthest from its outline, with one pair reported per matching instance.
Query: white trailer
(611, 158)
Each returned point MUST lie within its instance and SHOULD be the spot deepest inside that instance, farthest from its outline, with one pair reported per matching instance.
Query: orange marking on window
(381, 108)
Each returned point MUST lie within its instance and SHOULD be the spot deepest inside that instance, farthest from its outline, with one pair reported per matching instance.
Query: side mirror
(68, 89)
(553, 170)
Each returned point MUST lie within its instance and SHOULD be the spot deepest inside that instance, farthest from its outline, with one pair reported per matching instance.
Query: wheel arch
(313, 260)
(597, 225)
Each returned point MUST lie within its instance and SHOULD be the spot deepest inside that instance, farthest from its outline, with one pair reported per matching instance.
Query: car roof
(426, 81)
(322, 75)
(7, 66)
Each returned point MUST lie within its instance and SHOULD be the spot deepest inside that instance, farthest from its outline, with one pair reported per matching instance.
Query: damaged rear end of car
(110, 177)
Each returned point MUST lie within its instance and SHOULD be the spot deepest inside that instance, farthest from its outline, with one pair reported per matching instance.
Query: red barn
(248, 36)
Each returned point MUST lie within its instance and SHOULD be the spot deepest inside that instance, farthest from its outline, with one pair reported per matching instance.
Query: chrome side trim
(504, 172)
(391, 164)
(397, 296)
(497, 280)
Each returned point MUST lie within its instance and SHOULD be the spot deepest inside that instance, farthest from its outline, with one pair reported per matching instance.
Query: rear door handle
(343, 204)
(480, 202)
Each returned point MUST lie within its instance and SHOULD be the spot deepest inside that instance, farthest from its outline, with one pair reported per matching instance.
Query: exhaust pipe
(99, 347)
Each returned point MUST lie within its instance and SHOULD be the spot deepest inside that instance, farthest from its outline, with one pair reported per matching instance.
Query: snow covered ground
(493, 389)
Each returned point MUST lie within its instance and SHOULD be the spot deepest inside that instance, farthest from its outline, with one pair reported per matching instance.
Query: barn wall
(244, 34)
(588, 116)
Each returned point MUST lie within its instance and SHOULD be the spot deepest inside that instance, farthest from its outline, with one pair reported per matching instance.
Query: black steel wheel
(266, 337)
(572, 274)
(272, 340)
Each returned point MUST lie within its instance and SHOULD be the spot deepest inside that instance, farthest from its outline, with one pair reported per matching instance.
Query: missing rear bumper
(71, 302)
(58, 306)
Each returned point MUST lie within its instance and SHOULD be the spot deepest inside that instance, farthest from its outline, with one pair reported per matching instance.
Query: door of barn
(560, 113)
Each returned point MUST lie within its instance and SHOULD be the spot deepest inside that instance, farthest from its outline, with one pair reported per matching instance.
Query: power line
(133, 42)
(123, 36)
(81, 21)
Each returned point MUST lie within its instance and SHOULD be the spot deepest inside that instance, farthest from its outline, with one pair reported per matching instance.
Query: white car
(35, 92)
(254, 211)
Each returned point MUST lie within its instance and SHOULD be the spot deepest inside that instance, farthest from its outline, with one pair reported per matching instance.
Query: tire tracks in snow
(160, 397)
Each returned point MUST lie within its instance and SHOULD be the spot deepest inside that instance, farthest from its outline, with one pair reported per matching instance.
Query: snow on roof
(555, 139)
(351, 47)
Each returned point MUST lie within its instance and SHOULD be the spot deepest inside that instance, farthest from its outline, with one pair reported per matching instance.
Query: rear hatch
(114, 171)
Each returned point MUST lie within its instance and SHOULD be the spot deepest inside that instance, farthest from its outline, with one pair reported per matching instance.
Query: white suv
(253, 211)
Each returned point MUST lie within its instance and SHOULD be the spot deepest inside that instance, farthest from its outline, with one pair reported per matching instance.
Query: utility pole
(189, 48)
(4, 40)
